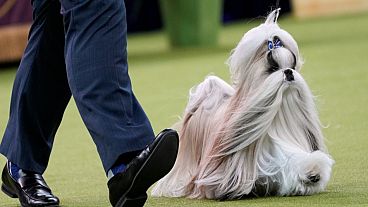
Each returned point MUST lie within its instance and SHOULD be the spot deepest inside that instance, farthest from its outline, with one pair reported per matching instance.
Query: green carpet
(335, 53)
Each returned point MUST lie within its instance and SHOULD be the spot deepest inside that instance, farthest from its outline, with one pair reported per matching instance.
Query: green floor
(336, 68)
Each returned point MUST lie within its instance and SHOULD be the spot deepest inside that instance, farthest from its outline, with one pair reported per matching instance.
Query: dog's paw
(316, 172)
(312, 179)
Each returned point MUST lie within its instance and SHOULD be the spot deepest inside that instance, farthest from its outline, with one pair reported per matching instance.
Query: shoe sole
(153, 169)
(137, 201)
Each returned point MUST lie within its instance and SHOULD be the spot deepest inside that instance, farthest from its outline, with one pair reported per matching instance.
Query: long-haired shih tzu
(259, 136)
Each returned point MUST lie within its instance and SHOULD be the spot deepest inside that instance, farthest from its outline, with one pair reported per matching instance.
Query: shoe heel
(138, 201)
(8, 192)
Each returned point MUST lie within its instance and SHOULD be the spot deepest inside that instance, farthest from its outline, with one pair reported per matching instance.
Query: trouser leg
(97, 69)
(40, 92)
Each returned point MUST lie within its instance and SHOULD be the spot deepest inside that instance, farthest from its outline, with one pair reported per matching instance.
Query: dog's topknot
(273, 16)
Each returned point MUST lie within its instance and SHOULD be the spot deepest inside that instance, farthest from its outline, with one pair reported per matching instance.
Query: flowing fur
(259, 136)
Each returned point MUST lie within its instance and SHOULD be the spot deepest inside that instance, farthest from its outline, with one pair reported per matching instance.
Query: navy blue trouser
(75, 47)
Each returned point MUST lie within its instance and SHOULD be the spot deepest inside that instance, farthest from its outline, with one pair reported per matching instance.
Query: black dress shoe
(128, 188)
(31, 189)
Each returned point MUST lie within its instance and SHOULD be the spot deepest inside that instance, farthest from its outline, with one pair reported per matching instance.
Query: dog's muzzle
(288, 75)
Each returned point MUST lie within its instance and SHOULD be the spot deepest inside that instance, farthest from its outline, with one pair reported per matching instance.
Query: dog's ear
(272, 17)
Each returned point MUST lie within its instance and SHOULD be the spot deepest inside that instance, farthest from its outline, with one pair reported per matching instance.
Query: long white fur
(259, 136)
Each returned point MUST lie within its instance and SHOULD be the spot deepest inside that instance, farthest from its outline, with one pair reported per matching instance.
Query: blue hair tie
(276, 43)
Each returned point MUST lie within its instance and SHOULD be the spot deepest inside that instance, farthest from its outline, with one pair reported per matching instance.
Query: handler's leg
(96, 61)
(40, 92)
(40, 95)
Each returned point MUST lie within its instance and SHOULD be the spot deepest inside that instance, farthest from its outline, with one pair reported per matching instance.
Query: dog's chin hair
(277, 107)
(261, 136)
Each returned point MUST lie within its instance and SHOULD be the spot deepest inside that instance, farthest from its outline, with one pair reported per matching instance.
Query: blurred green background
(335, 53)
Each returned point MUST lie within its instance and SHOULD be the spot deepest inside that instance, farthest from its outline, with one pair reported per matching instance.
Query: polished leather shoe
(31, 189)
(128, 188)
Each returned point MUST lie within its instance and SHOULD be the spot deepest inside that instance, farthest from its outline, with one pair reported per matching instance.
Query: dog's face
(262, 51)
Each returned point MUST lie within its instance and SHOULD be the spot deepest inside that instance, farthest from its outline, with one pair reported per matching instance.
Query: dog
(260, 136)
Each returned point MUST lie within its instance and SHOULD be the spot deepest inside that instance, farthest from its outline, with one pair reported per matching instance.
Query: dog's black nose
(314, 178)
(289, 75)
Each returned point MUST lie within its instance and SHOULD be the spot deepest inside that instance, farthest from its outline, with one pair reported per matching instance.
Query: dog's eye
(273, 64)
